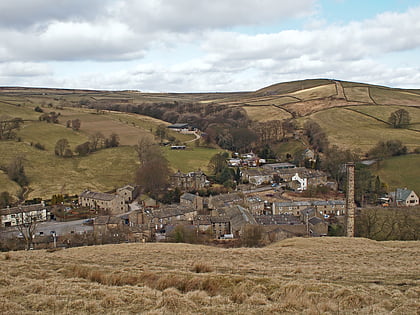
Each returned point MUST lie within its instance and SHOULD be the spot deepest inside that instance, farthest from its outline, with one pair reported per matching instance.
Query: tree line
(96, 142)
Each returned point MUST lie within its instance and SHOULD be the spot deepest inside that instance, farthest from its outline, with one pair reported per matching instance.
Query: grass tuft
(201, 267)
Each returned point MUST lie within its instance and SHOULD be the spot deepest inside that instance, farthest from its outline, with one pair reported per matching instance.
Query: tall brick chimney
(350, 207)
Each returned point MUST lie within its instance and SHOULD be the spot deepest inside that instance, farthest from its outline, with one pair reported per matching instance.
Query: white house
(23, 214)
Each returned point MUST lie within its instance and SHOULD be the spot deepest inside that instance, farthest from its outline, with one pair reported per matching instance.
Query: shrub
(201, 267)
(39, 146)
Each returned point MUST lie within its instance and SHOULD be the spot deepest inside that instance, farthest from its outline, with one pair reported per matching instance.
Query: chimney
(350, 208)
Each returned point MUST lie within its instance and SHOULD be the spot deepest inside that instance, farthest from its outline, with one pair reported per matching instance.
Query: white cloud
(155, 36)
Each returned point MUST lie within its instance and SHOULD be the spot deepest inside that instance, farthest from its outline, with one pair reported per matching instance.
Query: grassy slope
(7, 185)
(346, 128)
(292, 147)
(351, 130)
(295, 276)
(49, 174)
(401, 171)
(192, 159)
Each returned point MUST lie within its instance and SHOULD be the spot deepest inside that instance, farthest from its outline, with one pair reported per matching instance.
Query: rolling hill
(353, 115)
(294, 276)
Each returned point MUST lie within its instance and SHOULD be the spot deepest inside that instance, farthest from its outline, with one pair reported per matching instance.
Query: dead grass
(295, 276)
(201, 267)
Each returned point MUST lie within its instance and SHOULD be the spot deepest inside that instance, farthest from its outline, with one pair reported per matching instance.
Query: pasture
(191, 159)
(401, 171)
(358, 132)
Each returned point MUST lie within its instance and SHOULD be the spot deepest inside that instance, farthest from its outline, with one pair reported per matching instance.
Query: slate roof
(178, 125)
(276, 219)
(20, 209)
(402, 194)
(171, 211)
(311, 203)
(188, 196)
(97, 195)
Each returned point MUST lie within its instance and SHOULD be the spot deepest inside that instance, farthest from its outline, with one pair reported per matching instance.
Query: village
(270, 206)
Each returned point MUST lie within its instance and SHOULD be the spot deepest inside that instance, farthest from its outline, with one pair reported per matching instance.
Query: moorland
(294, 276)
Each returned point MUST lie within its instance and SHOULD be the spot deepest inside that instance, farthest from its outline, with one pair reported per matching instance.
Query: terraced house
(22, 214)
(105, 203)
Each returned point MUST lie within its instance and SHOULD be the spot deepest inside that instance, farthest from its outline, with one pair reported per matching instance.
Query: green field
(191, 159)
(103, 170)
(292, 147)
(382, 112)
(400, 172)
(265, 113)
(48, 174)
(358, 132)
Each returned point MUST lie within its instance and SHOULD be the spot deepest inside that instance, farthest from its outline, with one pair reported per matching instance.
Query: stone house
(403, 197)
(16, 215)
(219, 225)
(192, 200)
(189, 181)
(255, 204)
(257, 176)
(323, 207)
(238, 217)
(224, 200)
(128, 193)
(278, 166)
(171, 214)
(104, 225)
(107, 203)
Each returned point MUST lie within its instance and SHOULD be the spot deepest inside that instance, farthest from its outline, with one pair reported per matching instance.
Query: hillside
(295, 276)
(353, 116)
(103, 170)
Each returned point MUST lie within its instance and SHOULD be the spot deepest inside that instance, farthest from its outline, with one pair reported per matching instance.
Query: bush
(39, 146)
(201, 267)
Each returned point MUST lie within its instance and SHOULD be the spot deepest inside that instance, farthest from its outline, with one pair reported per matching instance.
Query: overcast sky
(217, 45)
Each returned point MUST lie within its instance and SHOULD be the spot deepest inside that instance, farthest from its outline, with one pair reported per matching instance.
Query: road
(60, 228)
(46, 228)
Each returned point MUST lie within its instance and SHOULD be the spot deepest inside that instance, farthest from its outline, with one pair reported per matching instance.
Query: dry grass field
(294, 276)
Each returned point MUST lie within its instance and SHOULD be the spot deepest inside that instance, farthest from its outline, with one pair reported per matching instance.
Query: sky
(207, 46)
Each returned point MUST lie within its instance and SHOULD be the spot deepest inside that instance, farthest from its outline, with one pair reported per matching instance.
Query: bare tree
(399, 119)
(75, 124)
(61, 146)
(97, 141)
(26, 223)
(8, 126)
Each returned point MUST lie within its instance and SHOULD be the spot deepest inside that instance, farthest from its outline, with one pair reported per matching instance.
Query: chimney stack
(350, 207)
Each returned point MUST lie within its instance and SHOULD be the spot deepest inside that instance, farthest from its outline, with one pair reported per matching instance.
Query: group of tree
(387, 149)
(62, 148)
(74, 124)
(221, 173)
(334, 163)
(5, 199)
(16, 171)
(9, 126)
(153, 172)
(51, 117)
(96, 142)
(368, 187)
(399, 119)
(385, 224)
(272, 130)
(316, 136)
